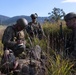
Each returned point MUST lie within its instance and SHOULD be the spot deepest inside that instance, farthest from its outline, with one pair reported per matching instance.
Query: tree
(56, 14)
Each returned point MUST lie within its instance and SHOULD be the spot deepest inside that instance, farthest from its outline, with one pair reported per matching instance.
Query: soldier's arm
(30, 29)
(41, 29)
(7, 36)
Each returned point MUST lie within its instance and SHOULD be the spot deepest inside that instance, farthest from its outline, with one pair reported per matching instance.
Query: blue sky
(42, 7)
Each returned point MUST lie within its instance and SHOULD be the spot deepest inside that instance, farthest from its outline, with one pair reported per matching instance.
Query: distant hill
(13, 20)
(4, 20)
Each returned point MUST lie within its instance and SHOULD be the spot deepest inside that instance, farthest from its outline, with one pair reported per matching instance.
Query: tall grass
(59, 66)
(54, 28)
(1, 48)
(55, 64)
(2, 28)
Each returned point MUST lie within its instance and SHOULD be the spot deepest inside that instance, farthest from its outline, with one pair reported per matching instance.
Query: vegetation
(53, 45)
(56, 14)
(56, 63)
(59, 66)
(1, 33)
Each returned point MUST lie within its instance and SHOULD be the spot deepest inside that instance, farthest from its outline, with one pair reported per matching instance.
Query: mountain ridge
(5, 20)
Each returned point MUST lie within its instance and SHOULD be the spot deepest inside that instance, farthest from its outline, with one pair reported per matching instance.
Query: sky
(12, 8)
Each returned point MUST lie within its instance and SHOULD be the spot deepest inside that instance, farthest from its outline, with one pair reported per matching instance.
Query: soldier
(34, 28)
(70, 20)
(13, 37)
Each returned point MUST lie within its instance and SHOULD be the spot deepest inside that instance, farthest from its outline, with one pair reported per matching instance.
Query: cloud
(71, 1)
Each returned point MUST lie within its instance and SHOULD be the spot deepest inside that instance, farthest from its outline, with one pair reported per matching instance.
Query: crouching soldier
(11, 38)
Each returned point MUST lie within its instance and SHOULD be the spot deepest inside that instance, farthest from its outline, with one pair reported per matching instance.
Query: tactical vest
(10, 34)
(34, 29)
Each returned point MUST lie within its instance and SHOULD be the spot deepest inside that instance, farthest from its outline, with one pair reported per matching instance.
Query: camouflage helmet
(70, 16)
(33, 16)
(22, 22)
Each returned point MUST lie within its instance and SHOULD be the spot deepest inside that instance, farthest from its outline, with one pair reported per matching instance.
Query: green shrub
(59, 66)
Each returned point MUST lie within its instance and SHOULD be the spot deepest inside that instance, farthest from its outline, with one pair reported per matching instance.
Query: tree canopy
(56, 14)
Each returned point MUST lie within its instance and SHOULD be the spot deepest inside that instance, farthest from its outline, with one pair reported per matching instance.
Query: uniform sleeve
(7, 36)
(41, 29)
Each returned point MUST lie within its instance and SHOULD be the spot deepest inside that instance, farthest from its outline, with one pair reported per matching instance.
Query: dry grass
(57, 65)
(2, 28)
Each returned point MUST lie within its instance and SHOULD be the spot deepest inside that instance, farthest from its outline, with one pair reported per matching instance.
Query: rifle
(61, 41)
(61, 31)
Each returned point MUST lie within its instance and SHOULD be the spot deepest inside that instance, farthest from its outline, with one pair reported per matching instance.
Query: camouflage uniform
(9, 38)
(34, 28)
(70, 19)
(69, 45)
(12, 36)
(74, 46)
